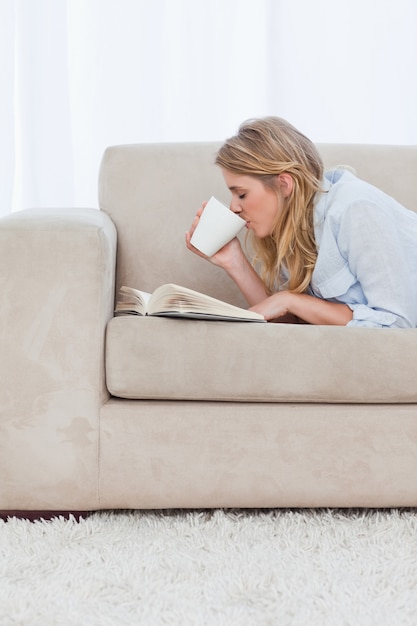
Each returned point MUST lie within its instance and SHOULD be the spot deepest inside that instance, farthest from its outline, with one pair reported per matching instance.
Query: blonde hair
(265, 148)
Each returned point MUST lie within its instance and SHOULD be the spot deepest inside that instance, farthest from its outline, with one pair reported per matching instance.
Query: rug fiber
(220, 567)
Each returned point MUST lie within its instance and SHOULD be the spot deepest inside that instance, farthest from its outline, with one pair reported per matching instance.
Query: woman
(332, 248)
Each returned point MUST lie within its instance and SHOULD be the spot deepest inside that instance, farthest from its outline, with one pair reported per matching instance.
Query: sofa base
(166, 454)
(34, 516)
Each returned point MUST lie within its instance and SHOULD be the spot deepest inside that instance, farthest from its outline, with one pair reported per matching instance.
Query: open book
(175, 301)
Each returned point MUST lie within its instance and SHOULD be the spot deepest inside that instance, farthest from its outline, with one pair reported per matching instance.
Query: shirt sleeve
(370, 240)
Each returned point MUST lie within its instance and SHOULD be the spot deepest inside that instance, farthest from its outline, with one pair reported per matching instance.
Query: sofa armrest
(57, 294)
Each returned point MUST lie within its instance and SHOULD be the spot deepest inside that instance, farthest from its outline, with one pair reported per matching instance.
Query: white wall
(79, 75)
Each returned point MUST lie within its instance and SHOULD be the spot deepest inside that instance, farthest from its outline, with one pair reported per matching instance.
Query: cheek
(273, 210)
(269, 218)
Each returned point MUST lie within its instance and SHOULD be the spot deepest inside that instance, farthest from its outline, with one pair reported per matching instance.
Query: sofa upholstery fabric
(57, 285)
(99, 412)
(150, 357)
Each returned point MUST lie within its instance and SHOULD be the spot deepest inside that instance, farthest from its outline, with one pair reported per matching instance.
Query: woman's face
(254, 202)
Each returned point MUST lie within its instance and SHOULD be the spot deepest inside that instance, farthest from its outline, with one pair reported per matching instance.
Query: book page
(171, 299)
(132, 301)
(145, 297)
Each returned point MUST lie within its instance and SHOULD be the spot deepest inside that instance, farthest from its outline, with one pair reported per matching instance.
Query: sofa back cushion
(152, 192)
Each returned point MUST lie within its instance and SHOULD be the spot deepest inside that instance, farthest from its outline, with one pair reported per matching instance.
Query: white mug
(216, 227)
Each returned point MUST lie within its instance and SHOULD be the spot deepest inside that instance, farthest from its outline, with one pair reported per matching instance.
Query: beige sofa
(100, 412)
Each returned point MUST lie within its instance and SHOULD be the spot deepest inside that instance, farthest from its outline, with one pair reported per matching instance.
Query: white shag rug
(221, 567)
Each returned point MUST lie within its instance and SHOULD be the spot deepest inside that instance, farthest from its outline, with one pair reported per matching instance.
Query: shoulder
(350, 191)
(348, 203)
(340, 190)
(351, 198)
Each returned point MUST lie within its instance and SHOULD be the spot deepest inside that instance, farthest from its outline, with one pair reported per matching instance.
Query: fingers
(201, 209)
(191, 247)
(193, 226)
(197, 217)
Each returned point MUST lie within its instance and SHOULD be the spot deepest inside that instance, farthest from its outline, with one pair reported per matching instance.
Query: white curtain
(79, 75)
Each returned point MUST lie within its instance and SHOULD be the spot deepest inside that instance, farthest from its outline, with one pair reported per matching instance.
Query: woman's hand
(226, 258)
(232, 259)
(274, 307)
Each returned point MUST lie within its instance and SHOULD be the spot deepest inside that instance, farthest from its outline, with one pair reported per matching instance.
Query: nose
(235, 206)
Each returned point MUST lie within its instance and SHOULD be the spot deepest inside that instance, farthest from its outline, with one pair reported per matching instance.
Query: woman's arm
(378, 239)
(282, 306)
(246, 278)
(232, 259)
(308, 308)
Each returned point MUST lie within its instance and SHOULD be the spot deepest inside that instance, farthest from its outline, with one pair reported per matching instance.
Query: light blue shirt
(367, 252)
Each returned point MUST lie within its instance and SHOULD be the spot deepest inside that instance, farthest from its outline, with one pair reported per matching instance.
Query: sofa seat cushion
(161, 358)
